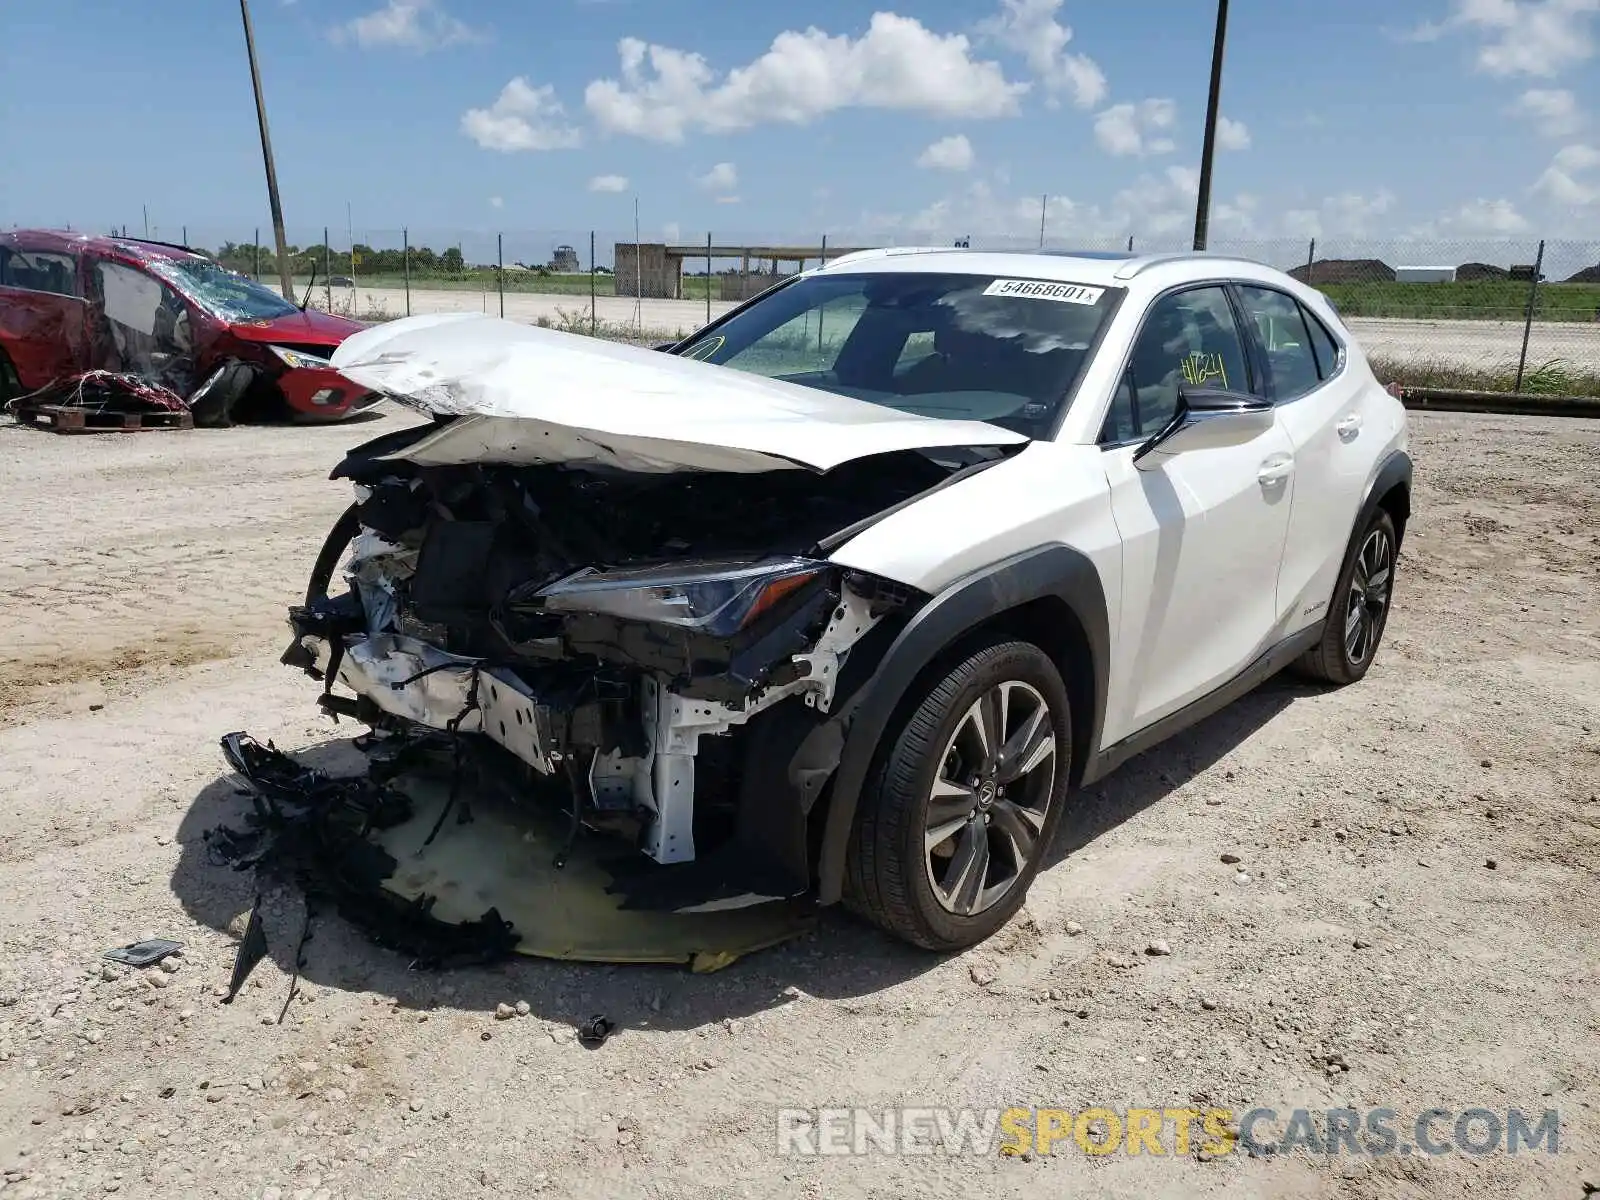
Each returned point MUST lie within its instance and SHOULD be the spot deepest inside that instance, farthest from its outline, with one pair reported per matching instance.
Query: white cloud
(1350, 214)
(1184, 180)
(952, 153)
(721, 178)
(1483, 217)
(728, 200)
(412, 24)
(523, 117)
(1572, 178)
(1158, 207)
(496, 202)
(609, 183)
(1125, 129)
(1236, 216)
(1541, 38)
(1030, 28)
(897, 64)
(1553, 110)
(1231, 134)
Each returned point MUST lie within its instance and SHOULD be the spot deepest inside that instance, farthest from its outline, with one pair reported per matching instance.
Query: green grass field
(1490, 300)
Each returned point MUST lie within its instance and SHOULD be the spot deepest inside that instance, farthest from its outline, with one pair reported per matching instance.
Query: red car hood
(302, 328)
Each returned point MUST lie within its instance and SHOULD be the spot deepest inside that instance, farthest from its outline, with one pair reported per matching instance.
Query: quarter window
(1282, 333)
(1322, 341)
(1190, 339)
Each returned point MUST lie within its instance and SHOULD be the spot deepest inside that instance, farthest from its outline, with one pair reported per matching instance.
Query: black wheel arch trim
(1049, 572)
(1394, 471)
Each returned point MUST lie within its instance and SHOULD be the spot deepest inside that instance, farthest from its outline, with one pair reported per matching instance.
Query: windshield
(971, 347)
(229, 295)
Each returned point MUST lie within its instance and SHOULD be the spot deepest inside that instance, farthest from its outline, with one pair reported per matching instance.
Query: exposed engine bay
(655, 653)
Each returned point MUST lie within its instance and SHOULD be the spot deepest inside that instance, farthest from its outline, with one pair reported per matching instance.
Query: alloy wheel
(990, 797)
(1370, 584)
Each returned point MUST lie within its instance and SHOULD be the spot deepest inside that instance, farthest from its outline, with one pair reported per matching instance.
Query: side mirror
(1208, 417)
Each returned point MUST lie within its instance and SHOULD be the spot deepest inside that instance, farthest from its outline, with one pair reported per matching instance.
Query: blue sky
(913, 119)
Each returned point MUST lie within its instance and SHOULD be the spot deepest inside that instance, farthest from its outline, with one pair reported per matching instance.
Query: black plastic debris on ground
(309, 829)
(142, 954)
(594, 1032)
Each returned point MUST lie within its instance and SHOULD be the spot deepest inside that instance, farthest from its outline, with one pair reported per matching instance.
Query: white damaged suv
(844, 595)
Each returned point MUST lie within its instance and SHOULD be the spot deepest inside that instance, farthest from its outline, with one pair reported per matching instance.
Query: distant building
(565, 259)
(1424, 274)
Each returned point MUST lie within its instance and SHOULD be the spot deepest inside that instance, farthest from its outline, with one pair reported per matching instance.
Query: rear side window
(39, 271)
(1322, 342)
(1282, 332)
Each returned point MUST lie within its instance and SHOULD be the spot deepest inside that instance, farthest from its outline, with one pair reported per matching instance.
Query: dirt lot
(1412, 923)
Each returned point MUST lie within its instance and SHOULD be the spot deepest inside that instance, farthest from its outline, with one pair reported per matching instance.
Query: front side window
(973, 347)
(1189, 339)
(222, 292)
(146, 317)
(1282, 333)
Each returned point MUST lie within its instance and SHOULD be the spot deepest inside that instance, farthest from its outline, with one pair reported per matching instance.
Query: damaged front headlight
(718, 598)
(297, 359)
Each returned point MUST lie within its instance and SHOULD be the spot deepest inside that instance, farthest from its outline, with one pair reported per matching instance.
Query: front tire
(965, 800)
(1359, 609)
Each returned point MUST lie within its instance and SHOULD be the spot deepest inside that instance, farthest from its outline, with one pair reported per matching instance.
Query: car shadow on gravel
(841, 958)
(1153, 775)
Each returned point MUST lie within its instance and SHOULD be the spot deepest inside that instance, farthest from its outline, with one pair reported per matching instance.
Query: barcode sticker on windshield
(1039, 289)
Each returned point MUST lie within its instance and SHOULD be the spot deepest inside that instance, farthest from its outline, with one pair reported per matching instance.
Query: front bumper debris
(363, 843)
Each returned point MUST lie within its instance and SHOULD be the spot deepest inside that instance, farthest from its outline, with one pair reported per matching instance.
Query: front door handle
(1275, 470)
(1350, 426)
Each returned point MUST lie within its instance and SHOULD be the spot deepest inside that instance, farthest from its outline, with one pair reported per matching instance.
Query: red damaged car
(230, 347)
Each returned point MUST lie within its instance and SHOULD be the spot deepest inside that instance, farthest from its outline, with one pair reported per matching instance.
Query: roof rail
(884, 252)
(1145, 261)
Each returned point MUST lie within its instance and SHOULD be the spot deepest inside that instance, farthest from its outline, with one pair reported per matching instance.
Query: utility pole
(1202, 211)
(285, 279)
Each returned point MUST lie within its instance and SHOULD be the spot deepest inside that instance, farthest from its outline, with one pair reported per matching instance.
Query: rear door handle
(1275, 470)
(1350, 426)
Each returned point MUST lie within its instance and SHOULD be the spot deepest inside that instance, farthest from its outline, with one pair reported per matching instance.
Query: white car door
(1202, 529)
(1321, 408)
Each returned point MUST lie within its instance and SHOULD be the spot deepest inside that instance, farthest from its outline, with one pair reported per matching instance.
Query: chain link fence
(1509, 315)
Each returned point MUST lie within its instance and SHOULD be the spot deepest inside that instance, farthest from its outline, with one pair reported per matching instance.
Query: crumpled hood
(527, 395)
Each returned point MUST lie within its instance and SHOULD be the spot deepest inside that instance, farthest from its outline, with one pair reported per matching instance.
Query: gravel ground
(1410, 923)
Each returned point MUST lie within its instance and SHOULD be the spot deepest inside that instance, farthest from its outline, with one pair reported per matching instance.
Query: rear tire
(983, 760)
(1359, 610)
